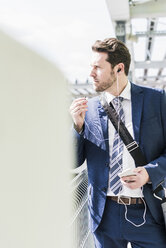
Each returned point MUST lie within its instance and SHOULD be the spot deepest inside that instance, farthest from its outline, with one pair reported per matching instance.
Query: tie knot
(117, 100)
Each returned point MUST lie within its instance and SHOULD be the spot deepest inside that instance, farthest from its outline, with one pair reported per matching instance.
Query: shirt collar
(126, 93)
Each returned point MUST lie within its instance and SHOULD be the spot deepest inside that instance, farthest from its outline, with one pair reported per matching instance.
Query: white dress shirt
(127, 160)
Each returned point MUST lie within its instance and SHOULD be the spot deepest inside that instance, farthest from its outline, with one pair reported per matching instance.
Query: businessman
(122, 208)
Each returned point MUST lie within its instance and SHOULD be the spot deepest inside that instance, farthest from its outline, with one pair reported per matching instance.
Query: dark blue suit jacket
(149, 124)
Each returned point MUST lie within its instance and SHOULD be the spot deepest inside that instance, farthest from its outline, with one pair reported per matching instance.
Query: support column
(120, 30)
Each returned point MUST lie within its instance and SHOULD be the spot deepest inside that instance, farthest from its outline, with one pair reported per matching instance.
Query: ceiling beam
(152, 9)
(161, 77)
(150, 33)
(151, 64)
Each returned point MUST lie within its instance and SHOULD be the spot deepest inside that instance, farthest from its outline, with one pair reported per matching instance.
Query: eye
(97, 67)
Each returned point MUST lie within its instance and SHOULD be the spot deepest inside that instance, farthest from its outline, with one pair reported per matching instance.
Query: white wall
(34, 150)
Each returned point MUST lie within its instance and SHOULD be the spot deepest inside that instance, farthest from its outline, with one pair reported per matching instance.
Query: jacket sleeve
(79, 147)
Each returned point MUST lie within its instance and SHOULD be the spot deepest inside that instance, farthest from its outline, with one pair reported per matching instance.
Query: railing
(80, 220)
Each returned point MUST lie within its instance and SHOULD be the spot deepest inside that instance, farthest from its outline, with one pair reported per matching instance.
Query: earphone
(119, 70)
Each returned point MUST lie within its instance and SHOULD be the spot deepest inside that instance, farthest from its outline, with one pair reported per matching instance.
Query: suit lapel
(137, 105)
(104, 125)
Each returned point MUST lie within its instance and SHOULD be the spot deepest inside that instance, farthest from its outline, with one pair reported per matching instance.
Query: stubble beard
(104, 86)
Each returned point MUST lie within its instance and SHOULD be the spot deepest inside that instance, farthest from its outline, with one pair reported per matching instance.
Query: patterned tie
(117, 151)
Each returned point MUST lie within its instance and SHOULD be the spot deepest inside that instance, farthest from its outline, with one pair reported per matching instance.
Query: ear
(120, 67)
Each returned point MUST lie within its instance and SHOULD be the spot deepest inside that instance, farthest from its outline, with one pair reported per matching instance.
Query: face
(103, 75)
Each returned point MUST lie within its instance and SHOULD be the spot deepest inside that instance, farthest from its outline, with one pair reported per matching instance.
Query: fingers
(129, 178)
(79, 102)
(134, 182)
(138, 180)
(129, 181)
(78, 106)
(78, 109)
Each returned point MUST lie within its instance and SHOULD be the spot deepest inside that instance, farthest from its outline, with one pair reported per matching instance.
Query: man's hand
(134, 182)
(78, 109)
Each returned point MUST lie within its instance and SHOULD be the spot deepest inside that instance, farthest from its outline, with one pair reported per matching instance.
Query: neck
(118, 86)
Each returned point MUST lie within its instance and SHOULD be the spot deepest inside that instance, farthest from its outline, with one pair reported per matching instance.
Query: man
(122, 210)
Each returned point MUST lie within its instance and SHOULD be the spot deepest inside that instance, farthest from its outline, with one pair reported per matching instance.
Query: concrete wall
(35, 150)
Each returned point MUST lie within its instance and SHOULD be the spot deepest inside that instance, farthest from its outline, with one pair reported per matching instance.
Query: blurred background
(62, 33)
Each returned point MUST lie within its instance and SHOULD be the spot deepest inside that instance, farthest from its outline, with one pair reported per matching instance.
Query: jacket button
(104, 189)
(107, 164)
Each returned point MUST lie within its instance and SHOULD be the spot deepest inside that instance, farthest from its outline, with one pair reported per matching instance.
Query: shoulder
(146, 90)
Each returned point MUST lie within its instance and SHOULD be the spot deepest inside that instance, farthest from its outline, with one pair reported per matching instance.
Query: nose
(92, 73)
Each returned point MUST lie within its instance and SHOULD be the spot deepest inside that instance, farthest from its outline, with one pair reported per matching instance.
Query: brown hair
(116, 50)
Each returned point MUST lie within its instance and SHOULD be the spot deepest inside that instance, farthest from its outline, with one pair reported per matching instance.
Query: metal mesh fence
(82, 237)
